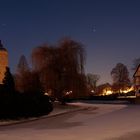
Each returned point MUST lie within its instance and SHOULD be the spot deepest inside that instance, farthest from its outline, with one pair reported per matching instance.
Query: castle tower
(3, 61)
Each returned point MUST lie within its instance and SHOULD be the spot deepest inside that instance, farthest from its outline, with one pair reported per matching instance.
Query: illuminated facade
(3, 61)
(137, 78)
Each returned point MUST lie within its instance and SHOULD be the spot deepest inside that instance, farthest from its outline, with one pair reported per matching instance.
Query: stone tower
(3, 61)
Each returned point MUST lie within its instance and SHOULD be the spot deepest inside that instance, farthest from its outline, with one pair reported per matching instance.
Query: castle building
(3, 61)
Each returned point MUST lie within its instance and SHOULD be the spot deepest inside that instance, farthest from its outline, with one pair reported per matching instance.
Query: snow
(96, 122)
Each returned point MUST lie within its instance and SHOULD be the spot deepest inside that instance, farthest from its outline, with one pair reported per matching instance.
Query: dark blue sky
(109, 29)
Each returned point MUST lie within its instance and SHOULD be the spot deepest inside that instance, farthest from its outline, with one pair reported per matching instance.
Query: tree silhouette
(27, 81)
(92, 80)
(8, 81)
(120, 76)
(22, 65)
(23, 75)
(61, 67)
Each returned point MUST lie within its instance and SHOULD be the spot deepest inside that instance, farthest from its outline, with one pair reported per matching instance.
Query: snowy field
(106, 122)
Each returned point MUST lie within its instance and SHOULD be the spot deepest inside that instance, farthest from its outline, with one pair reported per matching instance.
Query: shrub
(24, 106)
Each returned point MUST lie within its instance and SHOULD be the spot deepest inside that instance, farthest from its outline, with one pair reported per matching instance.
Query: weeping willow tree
(61, 68)
(72, 58)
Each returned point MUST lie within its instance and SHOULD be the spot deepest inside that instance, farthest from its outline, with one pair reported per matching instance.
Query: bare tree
(92, 80)
(73, 60)
(120, 76)
(61, 67)
(74, 54)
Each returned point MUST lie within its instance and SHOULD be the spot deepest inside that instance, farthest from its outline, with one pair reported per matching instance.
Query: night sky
(109, 29)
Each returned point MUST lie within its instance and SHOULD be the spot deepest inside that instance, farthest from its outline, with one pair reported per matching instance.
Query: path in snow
(108, 122)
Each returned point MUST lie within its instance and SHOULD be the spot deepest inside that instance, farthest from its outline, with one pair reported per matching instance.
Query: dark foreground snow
(107, 122)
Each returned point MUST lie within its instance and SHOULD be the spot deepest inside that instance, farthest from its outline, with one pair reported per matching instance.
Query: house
(3, 61)
(104, 89)
(136, 77)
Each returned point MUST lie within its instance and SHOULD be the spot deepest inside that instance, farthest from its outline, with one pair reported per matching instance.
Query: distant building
(136, 77)
(3, 61)
(104, 89)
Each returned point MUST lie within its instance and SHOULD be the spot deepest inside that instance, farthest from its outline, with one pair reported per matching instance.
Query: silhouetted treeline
(57, 70)
(14, 104)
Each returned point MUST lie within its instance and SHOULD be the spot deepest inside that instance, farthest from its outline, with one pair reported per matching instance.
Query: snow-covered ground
(97, 122)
